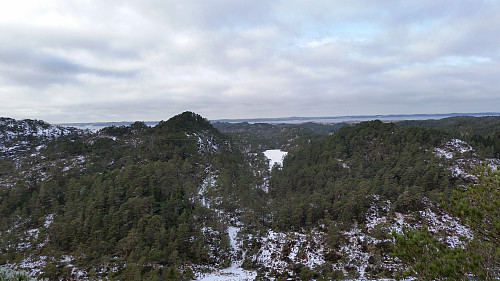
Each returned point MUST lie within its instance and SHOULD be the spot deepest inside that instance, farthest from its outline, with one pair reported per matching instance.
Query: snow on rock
(493, 163)
(24, 135)
(209, 181)
(444, 226)
(280, 249)
(464, 168)
(34, 266)
(229, 274)
(48, 220)
(234, 272)
(276, 252)
(31, 235)
(459, 171)
(453, 148)
(460, 145)
(206, 142)
(355, 256)
(374, 216)
(437, 220)
(455, 233)
(275, 156)
(461, 164)
(440, 152)
(399, 221)
(233, 232)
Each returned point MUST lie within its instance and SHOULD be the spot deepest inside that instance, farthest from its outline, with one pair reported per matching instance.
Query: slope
(130, 206)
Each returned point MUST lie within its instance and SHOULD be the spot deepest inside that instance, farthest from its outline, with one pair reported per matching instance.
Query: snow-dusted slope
(462, 159)
(360, 254)
(235, 271)
(363, 252)
(20, 136)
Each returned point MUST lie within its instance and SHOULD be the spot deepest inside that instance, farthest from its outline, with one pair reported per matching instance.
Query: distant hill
(21, 136)
(354, 118)
(481, 132)
(296, 120)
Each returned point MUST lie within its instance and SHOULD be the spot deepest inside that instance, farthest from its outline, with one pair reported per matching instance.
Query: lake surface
(275, 156)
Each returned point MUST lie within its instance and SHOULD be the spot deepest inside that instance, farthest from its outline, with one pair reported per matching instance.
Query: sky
(108, 60)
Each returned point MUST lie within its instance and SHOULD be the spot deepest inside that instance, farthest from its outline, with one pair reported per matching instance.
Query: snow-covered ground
(280, 249)
(461, 165)
(230, 274)
(462, 159)
(453, 148)
(275, 156)
(234, 272)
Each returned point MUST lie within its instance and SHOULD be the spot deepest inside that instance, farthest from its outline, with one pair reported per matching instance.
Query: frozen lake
(275, 156)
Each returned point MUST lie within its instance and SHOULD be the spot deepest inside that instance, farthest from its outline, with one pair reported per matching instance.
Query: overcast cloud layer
(107, 60)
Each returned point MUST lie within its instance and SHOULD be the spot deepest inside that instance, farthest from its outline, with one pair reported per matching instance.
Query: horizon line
(305, 118)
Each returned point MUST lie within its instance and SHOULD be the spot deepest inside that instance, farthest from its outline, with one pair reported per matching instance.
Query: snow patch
(209, 181)
(440, 152)
(452, 148)
(275, 156)
(230, 274)
(461, 165)
(234, 272)
(344, 165)
(356, 257)
(455, 232)
(48, 220)
(34, 266)
(278, 250)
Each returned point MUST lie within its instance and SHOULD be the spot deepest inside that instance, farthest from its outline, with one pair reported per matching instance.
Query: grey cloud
(234, 14)
(32, 68)
(228, 59)
(207, 15)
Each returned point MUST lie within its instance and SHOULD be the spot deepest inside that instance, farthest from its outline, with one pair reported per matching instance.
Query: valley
(187, 199)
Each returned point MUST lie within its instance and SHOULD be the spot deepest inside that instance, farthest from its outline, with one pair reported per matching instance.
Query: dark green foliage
(184, 122)
(133, 200)
(121, 131)
(483, 133)
(479, 206)
(424, 257)
(335, 176)
(6, 167)
(129, 195)
(261, 136)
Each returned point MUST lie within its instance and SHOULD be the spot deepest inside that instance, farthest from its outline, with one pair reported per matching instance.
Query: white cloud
(148, 60)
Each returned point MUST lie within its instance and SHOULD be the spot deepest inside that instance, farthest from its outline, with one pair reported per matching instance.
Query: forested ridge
(481, 132)
(156, 203)
(130, 201)
(332, 177)
(261, 136)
